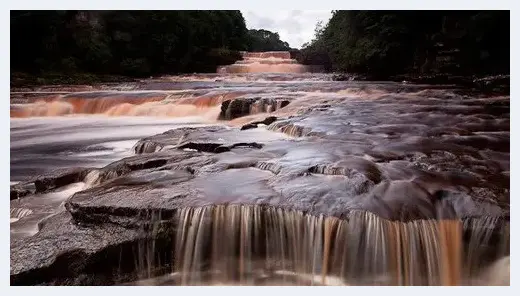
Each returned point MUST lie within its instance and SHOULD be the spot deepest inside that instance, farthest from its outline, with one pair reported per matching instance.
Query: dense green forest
(131, 43)
(383, 43)
(144, 43)
(264, 40)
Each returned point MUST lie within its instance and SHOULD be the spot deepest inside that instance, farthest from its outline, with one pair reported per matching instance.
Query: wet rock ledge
(401, 157)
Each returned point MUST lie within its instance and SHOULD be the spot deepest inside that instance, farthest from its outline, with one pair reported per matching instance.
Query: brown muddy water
(261, 174)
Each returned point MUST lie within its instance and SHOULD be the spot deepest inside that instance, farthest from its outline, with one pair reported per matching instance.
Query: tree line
(383, 43)
(132, 43)
(264, 40)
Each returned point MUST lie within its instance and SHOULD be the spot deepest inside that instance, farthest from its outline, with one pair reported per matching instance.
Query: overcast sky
(294, 26)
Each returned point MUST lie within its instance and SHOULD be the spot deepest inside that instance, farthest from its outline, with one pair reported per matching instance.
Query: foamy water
(42, 144)
(265, 62)
(28, 212)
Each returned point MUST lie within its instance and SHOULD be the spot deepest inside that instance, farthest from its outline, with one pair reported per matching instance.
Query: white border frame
(254, 5)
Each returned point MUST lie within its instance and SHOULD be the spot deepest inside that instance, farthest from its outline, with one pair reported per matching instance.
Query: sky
(296, 27)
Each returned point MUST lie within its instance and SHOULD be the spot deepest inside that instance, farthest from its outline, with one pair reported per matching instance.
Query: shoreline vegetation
(105, 46)
(462, 47)
(92, 47)
(491, 83)
(23, 80)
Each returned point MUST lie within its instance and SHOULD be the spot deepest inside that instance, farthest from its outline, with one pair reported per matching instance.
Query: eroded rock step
(401, 158)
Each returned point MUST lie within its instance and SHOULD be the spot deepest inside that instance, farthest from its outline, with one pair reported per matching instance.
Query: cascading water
(259, 245)
(129, 104)
(355, 152)
(265, 62)
(18, 213)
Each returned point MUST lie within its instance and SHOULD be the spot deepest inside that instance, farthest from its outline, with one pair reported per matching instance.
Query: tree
(136, 43)
(384, 43)
(264, 40)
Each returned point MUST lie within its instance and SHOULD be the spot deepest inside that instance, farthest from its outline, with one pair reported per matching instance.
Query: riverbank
(493, 84)
(20, 79)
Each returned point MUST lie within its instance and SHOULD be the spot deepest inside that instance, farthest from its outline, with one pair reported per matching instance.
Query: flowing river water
(261, 174)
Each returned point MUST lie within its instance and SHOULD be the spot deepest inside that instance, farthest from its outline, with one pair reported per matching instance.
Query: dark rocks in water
(497, 83)
(48, 182)
(291, 129)
(221, 149)
(435, 79)
(65, 253)
(489, 84)
(126, 165)
(129, 207)
(202, 147)
(350, 167)
(234, 108)
(341, 77)
(244, 106)
(266, 121)
(169, 139)
(251, 125)
(21, 190)
(282, 103)
(217, 148)
(60, 178)
(197, 141)
(349, 77)
(495, 80)
(212, 139)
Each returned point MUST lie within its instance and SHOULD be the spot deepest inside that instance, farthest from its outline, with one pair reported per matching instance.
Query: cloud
(294, 26)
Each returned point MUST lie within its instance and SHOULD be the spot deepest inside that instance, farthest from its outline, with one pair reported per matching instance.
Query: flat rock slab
(428, 154)
(60, 178)
(208, 139)
(282, 178)
(62, 251)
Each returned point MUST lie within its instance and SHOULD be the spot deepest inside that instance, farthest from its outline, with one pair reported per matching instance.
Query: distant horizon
(295, 27)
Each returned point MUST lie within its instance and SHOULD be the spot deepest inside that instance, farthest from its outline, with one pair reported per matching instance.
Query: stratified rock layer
(400, 154)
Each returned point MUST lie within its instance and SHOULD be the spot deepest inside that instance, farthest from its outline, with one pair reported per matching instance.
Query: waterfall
(123, 104)
(248, 244)
(265, 62)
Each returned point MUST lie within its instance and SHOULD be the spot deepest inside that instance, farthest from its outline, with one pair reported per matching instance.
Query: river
(310, 181)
